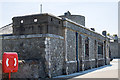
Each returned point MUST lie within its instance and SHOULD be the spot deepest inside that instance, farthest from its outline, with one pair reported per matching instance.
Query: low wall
(101, 62)
(29, 69)
(93, 64)
(71, 67)
(87, 65)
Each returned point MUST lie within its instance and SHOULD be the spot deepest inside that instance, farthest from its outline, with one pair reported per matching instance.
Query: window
(95, 49)
(51, 19)
(35, 20)
(100, 50)
(80, 41)
(21, 21)
(87, 48)
(59, 22)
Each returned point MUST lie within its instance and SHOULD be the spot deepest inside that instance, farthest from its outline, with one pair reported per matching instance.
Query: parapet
(37, 24)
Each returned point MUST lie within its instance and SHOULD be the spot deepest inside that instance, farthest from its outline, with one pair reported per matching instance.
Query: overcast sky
(100, 14)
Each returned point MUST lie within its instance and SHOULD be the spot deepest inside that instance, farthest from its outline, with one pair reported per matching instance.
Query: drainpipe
(77, 59)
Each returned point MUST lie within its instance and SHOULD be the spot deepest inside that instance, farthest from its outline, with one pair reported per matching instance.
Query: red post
(9, 75)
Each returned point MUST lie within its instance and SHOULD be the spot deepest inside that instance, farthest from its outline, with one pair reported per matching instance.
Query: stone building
(6, 29)
(114, 47)
(50, 46)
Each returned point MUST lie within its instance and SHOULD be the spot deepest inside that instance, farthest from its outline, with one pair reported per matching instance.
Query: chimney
(93, 29)
(104, 33)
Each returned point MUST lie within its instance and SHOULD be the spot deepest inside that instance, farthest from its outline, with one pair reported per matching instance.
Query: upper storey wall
(83, 30)
(32, 24)
(37, 24)
(29, 19)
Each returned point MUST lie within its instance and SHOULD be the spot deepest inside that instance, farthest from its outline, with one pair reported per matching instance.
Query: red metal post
(9, 75)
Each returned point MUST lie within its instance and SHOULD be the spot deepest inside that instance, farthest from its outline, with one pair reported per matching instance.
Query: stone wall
(6, 29)
(37, 24)
(119, 50)
(26, 48)
(31, 50)
(70, 43)
(114, 49)
(107, 56)
(29, 69)
(55, 52)
(76, 18)
(42, 54)
(30, 24)
(94, 59)
(82, 29)
(55, 26)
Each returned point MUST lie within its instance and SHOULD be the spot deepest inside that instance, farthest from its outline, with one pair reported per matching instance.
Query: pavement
(107, 71)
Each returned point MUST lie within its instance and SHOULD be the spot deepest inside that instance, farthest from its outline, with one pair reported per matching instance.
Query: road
(107, 72)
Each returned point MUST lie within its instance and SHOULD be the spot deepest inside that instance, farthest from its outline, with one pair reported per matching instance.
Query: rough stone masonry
(50, 46)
